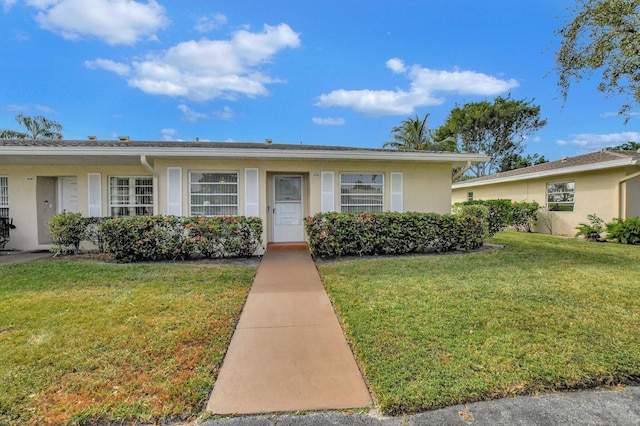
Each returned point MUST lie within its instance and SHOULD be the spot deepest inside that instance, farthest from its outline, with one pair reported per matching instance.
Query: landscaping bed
(542, 314)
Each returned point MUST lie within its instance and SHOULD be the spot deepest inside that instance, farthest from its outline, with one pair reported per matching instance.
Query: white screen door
(287, 212)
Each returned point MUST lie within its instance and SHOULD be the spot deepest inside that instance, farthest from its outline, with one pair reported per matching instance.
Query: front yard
(82, 341)
(543, 314)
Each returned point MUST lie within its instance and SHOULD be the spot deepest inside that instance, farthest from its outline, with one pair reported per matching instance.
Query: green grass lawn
(83, 341)
(544, 313)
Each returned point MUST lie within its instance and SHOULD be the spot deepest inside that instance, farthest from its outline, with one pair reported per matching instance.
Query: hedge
(345, 234)
(138, 238)
(503, 213)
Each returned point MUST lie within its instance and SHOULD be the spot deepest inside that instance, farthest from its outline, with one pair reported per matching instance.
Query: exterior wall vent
(123, 138)
(93, 138)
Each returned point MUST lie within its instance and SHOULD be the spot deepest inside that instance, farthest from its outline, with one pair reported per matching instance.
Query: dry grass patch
(84, 341)
(544, 313)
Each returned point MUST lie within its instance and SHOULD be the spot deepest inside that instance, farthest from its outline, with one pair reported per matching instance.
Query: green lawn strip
(544, 313)
(83, 340)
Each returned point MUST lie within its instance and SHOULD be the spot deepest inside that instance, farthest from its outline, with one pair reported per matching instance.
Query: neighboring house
(279, 183)
(606, 183)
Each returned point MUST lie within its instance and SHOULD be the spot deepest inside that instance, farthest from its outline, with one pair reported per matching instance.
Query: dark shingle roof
(176, 144)
(567, 162)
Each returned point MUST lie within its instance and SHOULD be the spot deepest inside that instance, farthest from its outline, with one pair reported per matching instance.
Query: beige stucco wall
(426, 186)
(595, 193)
(22, 195)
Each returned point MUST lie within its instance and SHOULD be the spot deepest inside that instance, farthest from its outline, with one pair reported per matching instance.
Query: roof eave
(548, 173)
(156, 152)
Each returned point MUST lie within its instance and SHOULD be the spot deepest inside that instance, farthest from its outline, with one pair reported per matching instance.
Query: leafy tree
(496, 129)
(38, 127)
(629, 146)
(414, 134)
(602, 37)
(517, 161)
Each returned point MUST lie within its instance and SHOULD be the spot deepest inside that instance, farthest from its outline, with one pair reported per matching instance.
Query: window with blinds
(213, 193)
(131, 195)
(361, 192)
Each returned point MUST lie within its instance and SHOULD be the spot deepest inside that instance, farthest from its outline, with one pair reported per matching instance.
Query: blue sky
(331, 72)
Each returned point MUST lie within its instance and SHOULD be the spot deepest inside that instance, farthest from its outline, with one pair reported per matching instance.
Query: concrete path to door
(288, 352)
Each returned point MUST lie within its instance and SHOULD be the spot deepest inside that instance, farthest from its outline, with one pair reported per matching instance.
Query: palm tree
(414, 134)
(38, 127)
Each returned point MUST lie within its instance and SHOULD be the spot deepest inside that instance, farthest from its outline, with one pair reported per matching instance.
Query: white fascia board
(548, 173)
(283, 154)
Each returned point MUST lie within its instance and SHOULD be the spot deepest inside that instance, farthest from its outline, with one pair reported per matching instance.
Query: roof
(66, 149)
(593, 161)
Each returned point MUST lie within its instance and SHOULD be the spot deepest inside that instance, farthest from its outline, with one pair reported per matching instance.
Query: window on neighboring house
(361, 192)
(213, 194)
(560, 196)
(131, 195)
(469, 196)
(4, 196)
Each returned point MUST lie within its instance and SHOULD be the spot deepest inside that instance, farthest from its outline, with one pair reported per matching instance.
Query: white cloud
(225, 114)
(424, 84)
(8, 4)
(615, 114)
(204, 24)
(594, 142)
(208, 69)
(112, 21)
(109, 65)
(396, 65)
(26, 108)
(329, 121)
(168, 134)
(191, 115)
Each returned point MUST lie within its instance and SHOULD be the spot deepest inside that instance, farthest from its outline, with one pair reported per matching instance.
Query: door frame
(272, 201)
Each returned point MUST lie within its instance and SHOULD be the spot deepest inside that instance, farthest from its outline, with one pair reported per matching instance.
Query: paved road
(588, 408)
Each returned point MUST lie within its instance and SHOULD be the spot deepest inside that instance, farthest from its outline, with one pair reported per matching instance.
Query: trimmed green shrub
(67, 230)
(345, 234)
(503, 213)
(137, 238)
(624, 231)
(523, 214)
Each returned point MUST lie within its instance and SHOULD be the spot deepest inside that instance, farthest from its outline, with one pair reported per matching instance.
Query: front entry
(288, 222)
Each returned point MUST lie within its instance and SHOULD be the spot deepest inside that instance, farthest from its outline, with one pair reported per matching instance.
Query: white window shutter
(396, 193)
(174, 191)
(327, 200)
(251, 192)
(95, 194)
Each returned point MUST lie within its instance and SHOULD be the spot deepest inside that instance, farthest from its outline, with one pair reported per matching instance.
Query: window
(131, 195)
(4, 196)
(361, 192)
(213, 194)
(469, 196)
(560, 196)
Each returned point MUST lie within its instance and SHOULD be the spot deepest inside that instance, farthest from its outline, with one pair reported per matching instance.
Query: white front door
(68, 194)
(288, 222)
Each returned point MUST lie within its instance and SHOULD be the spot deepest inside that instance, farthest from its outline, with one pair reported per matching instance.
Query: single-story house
(277, 182)
(605, 183)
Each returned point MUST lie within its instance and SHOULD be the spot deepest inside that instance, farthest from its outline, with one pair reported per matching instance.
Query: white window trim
(237, 194)
(131, 195)
(573, 203)
(5, 206)
(381, 184)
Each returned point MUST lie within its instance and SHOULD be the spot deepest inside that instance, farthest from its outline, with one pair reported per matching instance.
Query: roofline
(273, 153)
(554, 172)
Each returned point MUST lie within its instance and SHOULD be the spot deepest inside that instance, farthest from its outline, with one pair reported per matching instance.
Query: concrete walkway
(11, 258)
(288, 352)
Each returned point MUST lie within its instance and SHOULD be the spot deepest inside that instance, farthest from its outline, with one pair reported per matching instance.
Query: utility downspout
(146, 165)
(621, 213)
(461, 171)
